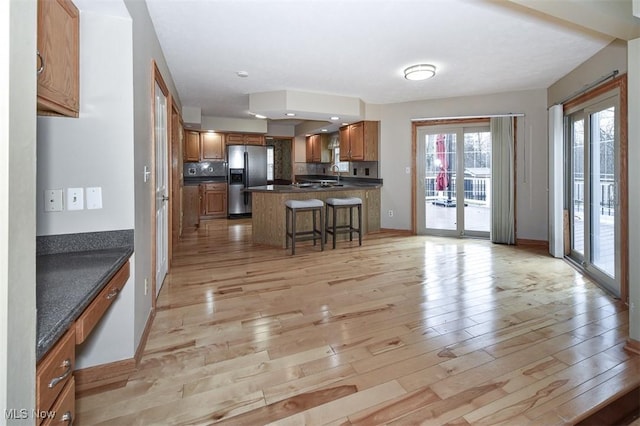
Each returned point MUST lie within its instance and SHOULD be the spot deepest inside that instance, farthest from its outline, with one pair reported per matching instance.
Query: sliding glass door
(592, 188)
(454, 181)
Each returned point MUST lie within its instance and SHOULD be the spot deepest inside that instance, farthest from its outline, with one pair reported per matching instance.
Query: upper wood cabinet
(244, 139)
(317, 149)
(191, 146)
(211, 146)
(58, 58)
(203, 146)
(359, 141)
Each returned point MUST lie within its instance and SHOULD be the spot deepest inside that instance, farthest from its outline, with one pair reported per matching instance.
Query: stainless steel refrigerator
(247, 167)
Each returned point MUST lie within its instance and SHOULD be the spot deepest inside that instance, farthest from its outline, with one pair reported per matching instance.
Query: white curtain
(556, 181)
(502, 181)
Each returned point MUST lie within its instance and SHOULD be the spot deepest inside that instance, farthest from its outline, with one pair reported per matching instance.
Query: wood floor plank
(401, 330)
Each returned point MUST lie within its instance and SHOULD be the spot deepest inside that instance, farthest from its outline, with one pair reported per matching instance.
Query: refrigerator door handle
(245, 178)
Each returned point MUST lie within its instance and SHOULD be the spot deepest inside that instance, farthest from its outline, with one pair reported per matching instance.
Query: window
(270, 162)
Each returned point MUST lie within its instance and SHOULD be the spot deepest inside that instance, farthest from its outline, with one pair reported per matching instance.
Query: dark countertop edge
(281, 189)
(47, 339)
(67, 243)
(349, 179)
(198, 180)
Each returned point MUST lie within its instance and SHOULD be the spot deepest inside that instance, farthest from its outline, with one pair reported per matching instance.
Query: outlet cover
(94, 198)
(53, 200)
(75, 198)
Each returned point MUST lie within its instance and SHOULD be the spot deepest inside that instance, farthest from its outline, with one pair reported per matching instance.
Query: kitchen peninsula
(268, 218)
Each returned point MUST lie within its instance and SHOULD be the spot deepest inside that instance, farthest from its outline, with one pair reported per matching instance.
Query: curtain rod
(588, 87)
(460, 117)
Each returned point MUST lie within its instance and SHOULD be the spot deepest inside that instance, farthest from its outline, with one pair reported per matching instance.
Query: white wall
(612, 57)
(96, 149)
(146, 49)
(17, 207)
(531, 153)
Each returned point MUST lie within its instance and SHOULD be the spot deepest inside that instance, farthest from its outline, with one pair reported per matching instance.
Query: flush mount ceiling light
(290, 114)
(419, 72)
(242, 74)
(335, 118)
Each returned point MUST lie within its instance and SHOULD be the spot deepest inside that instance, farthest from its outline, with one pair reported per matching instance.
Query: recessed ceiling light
(419, 72)
(324, 130)
(242, 74)
(211, 131)
(345, 124)
(335, 118)
(290, 114)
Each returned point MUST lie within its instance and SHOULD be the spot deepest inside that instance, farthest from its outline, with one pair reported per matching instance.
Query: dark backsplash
(205, 169)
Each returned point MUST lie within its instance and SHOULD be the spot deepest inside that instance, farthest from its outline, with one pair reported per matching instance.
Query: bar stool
(293, 207)
(340, 203)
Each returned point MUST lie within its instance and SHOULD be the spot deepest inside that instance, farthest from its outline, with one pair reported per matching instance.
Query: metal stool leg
(359, 224)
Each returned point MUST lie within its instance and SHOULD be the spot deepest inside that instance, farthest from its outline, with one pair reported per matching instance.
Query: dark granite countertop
(312, 187)
(67, 281)
(188, 181)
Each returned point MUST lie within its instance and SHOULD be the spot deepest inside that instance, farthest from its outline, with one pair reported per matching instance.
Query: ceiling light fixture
(335, 118)
(290, 114)
(260, 116)
(419, 72)
(242, 74)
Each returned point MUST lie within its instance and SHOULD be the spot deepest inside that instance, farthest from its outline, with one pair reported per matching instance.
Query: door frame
(470, 122)
(618, 84)
(157, 78)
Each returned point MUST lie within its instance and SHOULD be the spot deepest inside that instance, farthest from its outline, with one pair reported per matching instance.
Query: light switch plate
(94, 198)
(53, 200)
(75, 198)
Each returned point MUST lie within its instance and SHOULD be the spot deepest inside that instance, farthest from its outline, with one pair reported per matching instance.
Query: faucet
(337, 170)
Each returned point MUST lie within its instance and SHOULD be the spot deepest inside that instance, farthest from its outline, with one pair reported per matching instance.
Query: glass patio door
(454, 181)
(593, 191)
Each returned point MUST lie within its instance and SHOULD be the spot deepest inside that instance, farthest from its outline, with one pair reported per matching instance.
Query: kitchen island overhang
(268, 218)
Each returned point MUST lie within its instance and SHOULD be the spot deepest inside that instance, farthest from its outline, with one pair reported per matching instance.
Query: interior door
(161, 185)
(454, 181)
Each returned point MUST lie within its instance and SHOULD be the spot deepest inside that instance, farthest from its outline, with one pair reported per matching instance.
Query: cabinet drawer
(92, 315)
(55, 370)
(214, 186)
(65, 406)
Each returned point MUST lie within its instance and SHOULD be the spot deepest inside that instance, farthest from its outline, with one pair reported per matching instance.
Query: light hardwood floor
(403, 330)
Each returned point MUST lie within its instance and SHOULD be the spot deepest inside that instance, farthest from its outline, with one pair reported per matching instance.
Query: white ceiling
(358, 48)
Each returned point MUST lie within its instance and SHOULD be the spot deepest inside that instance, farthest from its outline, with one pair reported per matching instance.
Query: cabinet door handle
(113, 293)
(67, 417)
(39, 71)
(66, 363)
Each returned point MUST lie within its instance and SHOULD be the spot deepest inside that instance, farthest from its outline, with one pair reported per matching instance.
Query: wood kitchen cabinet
(318, 149)
(58, 58)
(359, 141)
(211, 146)
(54, 377)
(244, 139)
(191, 146)
(191, 207)
(203, 146)
(214, 200)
